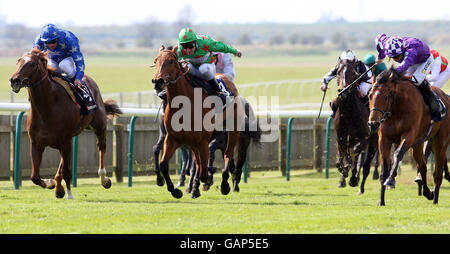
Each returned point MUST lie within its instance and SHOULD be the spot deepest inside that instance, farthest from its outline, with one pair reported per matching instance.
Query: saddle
(81, 97)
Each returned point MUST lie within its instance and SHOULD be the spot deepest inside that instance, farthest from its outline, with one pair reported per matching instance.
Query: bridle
(166, 79)
(37, 70)
(387, 112)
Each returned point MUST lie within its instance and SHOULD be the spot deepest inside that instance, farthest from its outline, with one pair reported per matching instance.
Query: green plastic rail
(74, 161)
(17, 175)
(130, 151)
(288, 148)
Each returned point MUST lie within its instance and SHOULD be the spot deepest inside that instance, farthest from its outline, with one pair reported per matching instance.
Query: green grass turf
(308, 203)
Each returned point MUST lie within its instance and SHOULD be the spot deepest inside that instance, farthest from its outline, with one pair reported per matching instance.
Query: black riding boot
(87, 99)
(215, 86)
(429, 97)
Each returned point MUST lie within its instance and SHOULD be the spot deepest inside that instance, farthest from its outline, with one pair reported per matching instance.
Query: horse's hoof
(418, 180)
(195, 194)
(375, 175)
(360, 192)
(60, 194)
(176, 193)
(160, 181)
(107, 184)
(236, 189)
(206, 187)
(389, 183)
(430, 196)
(188, 190)
(381, 203)
(342, 184)
(180, 184)
(353, 182)
(225, 188)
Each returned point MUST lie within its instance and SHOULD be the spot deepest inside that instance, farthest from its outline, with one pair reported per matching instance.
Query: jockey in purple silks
(416, 63)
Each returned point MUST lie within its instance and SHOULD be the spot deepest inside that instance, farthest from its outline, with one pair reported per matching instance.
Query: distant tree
(294, 38)
(244, 39)
(147, 31)
(276, 39)
(339, 40)
(17, 35)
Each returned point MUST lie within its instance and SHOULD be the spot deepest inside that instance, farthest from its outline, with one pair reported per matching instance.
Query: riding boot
(430, 98)
(215, 86)
(87, 98)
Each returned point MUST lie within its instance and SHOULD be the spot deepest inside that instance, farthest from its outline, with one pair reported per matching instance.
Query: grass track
(266, 204)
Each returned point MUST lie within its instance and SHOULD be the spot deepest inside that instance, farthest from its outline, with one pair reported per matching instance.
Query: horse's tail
(251, 124)
(112, 109)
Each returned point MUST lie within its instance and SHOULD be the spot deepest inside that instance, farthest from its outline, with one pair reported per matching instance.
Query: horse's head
(168, 69)
(346, 73)
(31, 69)
(381, 98)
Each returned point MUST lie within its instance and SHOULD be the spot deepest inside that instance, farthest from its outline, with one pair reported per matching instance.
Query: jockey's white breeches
(420, 70)
(364, 88)
(67, 66)
(441, 79)
(204, 71)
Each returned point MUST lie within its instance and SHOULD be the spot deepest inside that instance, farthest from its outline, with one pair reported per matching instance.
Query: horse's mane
(397, 76)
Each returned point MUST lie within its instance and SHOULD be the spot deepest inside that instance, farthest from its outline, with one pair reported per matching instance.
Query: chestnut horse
(400, 115)
(196, 131)
(54, 119)
(351, 129)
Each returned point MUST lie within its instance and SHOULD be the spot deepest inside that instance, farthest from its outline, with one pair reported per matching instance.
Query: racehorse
(219, 141)
(171, 74)
(399, 113)
(351, 129)
(54, 119)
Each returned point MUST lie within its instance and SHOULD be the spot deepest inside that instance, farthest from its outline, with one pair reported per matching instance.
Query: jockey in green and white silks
(198, 50)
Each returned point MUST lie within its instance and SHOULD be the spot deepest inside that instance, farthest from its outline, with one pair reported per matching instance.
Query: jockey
(365, 82)
(369, 60)
(197, 50)
(224, 64)
(439, 73)
(65, 57)
(416, 62)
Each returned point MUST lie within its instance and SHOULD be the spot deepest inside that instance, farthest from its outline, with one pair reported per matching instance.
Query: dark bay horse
(54, 119)
(400, 115)
(198, 123)
(351, 129)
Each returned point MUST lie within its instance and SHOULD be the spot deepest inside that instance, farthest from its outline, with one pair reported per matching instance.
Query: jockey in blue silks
(65, 57)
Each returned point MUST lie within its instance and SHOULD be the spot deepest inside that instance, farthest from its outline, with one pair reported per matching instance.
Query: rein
(387, 112)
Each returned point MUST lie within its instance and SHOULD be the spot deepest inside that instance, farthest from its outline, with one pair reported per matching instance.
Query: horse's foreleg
(404, 146)
(36, 158)
(385, 153)
(358, 160)
(156, 151)
(170, 147)
(66, 169)
(371, 151)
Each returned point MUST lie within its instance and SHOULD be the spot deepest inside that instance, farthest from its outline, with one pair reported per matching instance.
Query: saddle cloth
(74, 93)
(198, 82)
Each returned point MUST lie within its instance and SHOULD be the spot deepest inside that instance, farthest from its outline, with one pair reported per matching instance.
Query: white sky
(36, 13)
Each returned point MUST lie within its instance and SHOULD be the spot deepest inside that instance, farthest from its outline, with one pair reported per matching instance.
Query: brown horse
(401, 117)
(351, 129)
(197, 131)
(54, 119)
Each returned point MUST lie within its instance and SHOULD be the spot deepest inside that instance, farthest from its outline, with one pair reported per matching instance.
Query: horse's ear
(175, 49)
(162, 48)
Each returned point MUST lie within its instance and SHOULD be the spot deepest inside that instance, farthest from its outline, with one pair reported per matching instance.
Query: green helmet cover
(369, 59)
(186, 35)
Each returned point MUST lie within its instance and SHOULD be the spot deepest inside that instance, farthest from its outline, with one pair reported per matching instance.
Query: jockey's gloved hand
(78, 83)
(324, 87)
